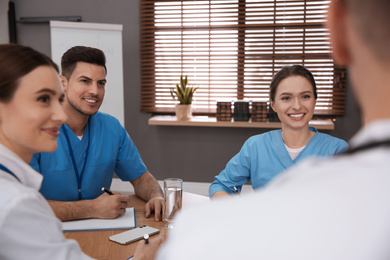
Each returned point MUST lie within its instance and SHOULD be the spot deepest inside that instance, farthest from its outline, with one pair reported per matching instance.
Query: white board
(106, 37)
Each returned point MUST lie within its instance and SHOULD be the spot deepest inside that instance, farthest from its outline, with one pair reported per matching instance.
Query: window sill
(205, 121)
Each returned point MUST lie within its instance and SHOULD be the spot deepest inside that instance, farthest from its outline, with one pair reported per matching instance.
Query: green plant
(183, 93)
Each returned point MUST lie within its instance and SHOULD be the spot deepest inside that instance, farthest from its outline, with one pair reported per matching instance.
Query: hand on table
(155, 204)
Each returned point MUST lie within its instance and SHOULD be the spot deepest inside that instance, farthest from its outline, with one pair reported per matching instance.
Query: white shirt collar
(27, 175)
(376, 131)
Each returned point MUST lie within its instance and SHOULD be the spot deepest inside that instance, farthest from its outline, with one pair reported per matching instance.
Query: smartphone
(133, 235)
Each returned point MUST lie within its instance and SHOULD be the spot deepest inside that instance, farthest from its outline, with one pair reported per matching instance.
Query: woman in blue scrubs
(293, 95)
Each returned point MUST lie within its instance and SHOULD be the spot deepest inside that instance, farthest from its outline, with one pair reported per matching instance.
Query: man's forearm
(71, 210)
(147, 187)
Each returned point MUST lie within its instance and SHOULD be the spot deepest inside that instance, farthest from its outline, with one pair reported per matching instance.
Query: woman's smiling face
(294, 102)
(30, 121)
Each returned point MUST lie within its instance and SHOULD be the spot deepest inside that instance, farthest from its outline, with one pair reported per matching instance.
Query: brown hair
(81, 54)
(288, 71)
(17, 61)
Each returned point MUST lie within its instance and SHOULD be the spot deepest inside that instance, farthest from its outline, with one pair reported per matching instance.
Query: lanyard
(2, 167)
(79, 175)
(368, 146)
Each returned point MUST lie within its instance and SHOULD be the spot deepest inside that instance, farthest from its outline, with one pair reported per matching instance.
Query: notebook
(124, 221)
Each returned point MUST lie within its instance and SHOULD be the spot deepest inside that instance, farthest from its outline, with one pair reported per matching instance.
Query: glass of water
(173, 196)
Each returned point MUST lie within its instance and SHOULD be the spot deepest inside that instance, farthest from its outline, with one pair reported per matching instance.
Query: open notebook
(124, 221)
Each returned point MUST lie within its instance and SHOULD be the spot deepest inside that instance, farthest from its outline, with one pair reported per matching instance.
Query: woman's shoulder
(265, 137)
(331, 140)
(15, 192)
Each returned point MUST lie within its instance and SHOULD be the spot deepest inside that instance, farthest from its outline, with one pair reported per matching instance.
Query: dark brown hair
(17, 61)
(288, 71)
(81, 54)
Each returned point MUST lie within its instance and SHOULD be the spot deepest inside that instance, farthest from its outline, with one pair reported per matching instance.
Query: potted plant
(184, 95)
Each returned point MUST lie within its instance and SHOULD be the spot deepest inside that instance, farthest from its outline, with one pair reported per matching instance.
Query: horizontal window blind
(231, 49)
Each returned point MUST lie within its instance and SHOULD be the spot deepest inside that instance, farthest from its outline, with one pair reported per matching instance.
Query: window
(231, 49)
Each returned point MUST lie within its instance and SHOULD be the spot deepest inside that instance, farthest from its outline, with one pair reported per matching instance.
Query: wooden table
(96, 244)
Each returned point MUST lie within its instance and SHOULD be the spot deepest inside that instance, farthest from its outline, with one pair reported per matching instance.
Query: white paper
(124, 221)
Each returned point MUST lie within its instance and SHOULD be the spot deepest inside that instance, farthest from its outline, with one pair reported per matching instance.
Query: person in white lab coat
(30, 118)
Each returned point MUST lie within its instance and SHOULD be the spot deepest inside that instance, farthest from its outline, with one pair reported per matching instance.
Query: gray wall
(192, 153)
(4, 38)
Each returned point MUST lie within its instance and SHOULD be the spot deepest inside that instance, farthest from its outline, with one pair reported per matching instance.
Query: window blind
(231, 49)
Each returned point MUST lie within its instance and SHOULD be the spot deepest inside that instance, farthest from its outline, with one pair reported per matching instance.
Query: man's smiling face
(85, 88)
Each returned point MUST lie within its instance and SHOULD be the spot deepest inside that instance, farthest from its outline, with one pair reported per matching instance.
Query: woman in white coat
(30, 118)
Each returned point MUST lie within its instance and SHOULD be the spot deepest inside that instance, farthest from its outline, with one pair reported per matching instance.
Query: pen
(146, 238)
(235, 189)
(107, 191)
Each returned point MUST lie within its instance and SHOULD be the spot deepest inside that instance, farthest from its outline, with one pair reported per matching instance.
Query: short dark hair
(17, 61)
(288, 71)
(81, 54)
(372, 21)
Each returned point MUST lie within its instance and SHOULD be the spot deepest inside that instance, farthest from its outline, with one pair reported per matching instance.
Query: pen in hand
(146, 238)
(235, 189)
(107, 191)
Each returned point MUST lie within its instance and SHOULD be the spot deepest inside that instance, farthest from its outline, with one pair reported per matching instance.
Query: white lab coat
(28, 227)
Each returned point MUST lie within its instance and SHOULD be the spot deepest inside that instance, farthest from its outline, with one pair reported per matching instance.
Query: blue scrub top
(110, 150)
(264, 156)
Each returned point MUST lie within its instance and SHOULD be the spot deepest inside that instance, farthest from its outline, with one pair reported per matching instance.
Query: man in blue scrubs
(92, 146)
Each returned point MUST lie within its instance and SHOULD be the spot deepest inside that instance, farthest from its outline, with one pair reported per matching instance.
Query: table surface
(97, 245)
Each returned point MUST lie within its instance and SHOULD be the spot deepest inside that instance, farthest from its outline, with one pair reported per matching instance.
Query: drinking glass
(173, 195)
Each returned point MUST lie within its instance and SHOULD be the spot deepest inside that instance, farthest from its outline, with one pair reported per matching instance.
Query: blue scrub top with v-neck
(264, 156)
(110, 150)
